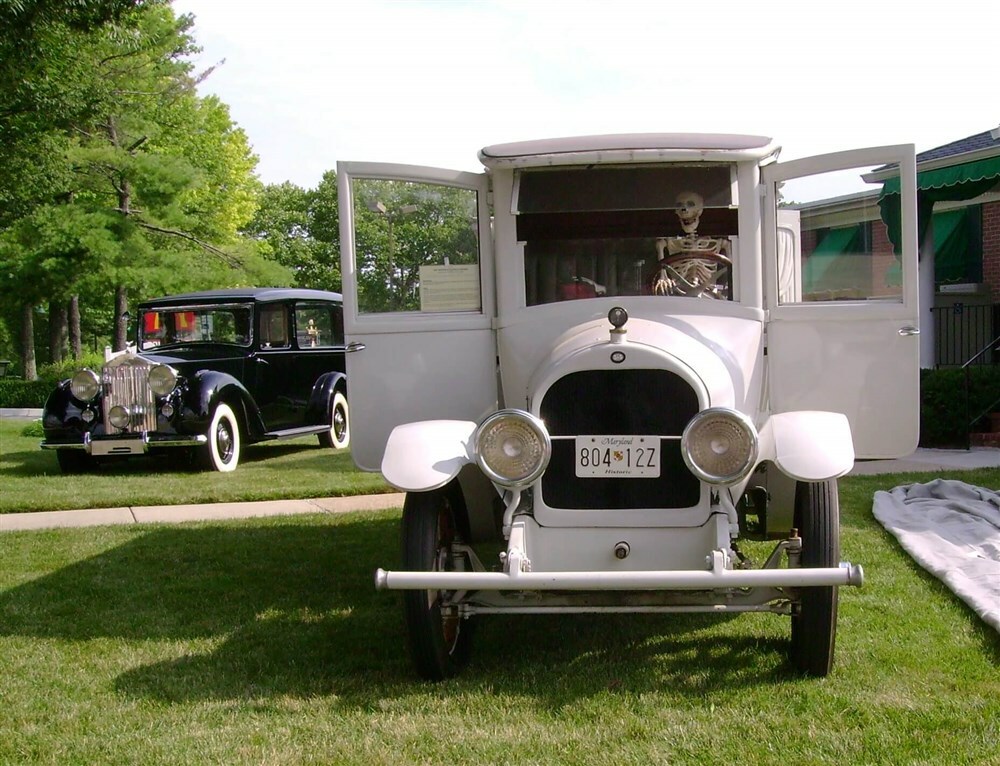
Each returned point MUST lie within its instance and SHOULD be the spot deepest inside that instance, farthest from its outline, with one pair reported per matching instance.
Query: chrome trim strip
(172, 441)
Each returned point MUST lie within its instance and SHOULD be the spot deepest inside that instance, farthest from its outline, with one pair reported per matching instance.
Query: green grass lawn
(30, 479)
(264, 642)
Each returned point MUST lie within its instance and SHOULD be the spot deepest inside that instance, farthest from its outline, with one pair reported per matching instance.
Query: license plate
(624, 457)
(116, 447)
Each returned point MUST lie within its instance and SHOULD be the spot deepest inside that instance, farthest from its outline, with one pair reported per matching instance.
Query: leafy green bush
(33, 429)
(56, 371)
(20, 394)
(946, 414)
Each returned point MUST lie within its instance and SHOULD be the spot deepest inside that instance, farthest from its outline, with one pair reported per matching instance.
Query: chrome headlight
(720, 445)
(118, 416)
(512, 447)
(162, 379)
(85, 385)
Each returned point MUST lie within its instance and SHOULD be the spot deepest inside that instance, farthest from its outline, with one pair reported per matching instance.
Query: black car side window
(274, 327)
(318, 325)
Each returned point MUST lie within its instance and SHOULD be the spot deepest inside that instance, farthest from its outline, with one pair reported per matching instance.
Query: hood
(186, 360)
(719, 356)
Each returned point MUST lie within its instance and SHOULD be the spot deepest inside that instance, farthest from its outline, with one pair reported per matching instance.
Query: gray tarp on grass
(952, 529)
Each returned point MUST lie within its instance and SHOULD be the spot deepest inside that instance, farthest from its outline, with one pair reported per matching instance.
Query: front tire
(439, 638)
(814, 625)
(339, 435)
(222, 453)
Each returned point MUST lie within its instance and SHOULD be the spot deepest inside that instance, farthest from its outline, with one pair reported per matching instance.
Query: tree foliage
(298, 228)
(144, 186)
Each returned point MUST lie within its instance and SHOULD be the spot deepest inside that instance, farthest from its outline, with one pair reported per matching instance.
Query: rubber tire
(73, 461)
(339, 435)
(222, 453)
(439, 644)
(814, 627)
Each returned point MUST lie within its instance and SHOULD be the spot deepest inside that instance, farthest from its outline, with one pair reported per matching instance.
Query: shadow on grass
(24, 463)
(291, 610)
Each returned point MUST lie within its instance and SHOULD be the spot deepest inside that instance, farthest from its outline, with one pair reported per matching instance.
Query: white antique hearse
(620, 357)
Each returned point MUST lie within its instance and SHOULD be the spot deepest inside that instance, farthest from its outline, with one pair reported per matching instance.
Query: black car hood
(189, 359)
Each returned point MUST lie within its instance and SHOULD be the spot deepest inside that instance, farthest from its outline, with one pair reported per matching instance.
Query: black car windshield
(194, 324)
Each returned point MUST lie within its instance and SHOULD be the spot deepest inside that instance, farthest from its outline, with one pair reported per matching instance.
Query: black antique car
(211, 371)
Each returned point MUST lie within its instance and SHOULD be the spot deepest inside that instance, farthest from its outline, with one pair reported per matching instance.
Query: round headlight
(85, 385)
(162, 379)
(720, 445)
(118, 416)
(512, 447)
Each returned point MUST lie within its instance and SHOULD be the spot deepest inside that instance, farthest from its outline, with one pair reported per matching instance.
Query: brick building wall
(883, 259)
(991, 247)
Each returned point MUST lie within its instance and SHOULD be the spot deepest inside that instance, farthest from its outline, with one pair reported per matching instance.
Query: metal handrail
(966, 367)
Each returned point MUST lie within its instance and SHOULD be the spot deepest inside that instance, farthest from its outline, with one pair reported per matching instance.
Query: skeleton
(690, 265)
(313, 332)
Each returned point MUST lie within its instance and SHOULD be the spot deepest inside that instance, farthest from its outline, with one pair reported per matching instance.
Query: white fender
(809, 445)
(428, 454)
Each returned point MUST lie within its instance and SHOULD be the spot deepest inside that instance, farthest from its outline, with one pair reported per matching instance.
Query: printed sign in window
(449, 288)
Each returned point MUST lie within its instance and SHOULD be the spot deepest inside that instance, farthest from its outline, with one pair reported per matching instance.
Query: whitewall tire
(339, 435)
(222, 453)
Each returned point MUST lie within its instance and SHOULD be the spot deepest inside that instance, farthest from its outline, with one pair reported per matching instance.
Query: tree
(154, 187)
(299, 229)
(46, 88)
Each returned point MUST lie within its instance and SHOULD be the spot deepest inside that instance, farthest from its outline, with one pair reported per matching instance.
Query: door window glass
(274, 327)
(318, 325)
(416, 247)
(844, 244)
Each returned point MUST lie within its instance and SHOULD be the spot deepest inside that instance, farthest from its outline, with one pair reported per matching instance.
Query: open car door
(843, 337)
(419, 299)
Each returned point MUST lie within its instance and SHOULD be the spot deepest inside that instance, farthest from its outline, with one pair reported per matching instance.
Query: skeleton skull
(690, 204)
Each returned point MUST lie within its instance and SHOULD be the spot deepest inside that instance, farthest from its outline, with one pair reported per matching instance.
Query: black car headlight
(720, 445)
(162, 379)
(512, 447)
(85, 385)
(119, 417)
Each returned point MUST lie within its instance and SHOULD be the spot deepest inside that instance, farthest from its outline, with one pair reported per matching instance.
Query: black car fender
(205, 389)
(61, 416)
(318, 411)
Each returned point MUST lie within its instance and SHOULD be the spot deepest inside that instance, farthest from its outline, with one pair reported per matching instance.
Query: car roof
(627, 147)
(244, 295)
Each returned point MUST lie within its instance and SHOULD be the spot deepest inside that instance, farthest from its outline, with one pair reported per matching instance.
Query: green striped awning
(981, 172)
(954, 183)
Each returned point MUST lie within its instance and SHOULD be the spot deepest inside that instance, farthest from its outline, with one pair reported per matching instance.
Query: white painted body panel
(808, 446)
(413, 366)
(860, 358)
(723, 352)
(427, 455)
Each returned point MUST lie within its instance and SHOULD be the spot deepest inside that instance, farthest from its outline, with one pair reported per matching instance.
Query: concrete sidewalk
(10, 522)
(938, 460)
(923, 460)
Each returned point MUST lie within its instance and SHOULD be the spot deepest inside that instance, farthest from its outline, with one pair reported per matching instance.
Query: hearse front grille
(619, 403)
(127, 385)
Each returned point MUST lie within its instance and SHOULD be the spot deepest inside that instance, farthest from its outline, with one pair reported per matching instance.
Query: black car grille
(619, 403)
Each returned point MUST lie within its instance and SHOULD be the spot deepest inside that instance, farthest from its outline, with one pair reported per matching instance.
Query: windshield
(660, 230)
(199, 324)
